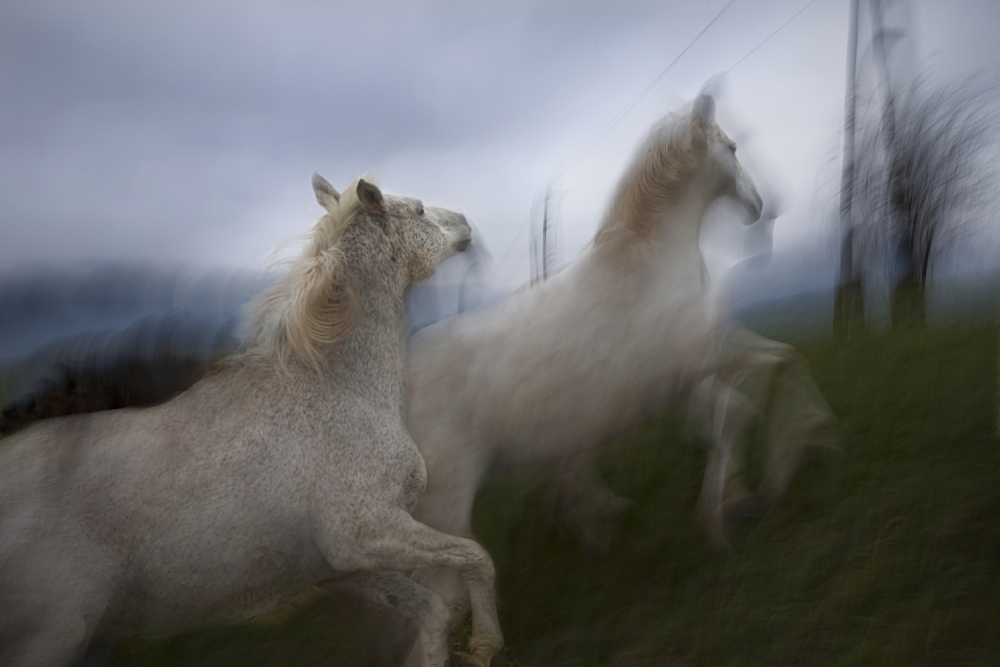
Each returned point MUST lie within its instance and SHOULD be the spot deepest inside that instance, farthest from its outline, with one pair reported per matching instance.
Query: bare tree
(923, 168)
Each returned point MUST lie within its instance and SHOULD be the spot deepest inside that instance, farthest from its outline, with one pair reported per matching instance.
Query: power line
(766, 39)
(604, 164)
(614, 121)
(587, 145)
(731, 68)
(621, 114)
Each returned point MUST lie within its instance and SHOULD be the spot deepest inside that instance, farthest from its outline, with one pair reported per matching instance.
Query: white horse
(287, 466)
(549, 375)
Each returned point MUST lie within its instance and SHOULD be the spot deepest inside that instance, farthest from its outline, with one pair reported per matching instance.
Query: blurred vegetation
(923, 179)
(890, 556)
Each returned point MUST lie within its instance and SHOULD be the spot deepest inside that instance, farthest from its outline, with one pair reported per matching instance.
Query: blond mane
(313, 303)
(660, 168)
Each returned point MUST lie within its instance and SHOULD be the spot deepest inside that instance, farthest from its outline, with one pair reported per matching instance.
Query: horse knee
(478, 564)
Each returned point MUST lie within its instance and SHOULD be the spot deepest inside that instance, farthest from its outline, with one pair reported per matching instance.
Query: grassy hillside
(893, 559)
(890, 558)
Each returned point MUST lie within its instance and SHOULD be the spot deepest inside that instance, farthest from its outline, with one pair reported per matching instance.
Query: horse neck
(371, 361)
(672, 246)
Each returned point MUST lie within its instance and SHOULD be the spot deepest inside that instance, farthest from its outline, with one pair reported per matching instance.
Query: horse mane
(313, 303)
(662, 164)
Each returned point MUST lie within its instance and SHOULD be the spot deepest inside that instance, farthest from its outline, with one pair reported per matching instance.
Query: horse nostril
(463, 244)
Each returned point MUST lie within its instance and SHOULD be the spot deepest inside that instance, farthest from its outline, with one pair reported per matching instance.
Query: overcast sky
(186, 132)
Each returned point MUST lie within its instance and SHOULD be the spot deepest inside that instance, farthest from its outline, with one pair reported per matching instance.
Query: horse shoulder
(372, 467)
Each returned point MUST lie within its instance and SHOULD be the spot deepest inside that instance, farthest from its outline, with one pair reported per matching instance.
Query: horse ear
(326, 194)
(369, 195)
(703, 112)
(702, 120)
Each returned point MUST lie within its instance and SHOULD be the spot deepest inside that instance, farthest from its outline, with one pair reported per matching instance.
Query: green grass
(890, 558)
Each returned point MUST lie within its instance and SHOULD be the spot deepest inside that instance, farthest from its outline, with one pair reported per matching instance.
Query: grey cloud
(175, 131)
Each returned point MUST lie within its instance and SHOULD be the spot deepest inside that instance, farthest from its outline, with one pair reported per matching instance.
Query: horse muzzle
(755, 207)
(463, 234)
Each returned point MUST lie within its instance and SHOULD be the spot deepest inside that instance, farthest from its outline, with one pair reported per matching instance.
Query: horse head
(685, 158)
(728, 176)
(411, 240)
(381, 242)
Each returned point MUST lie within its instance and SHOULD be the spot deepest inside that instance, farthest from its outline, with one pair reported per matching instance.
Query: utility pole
(878, 47)
(848, 307)
(545, 235)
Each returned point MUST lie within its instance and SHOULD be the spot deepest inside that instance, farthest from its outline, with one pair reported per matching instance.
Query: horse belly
(561, 413)
(231, 580)
(219, 542)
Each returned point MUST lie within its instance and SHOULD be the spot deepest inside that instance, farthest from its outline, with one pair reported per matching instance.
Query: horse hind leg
(98, 653)
(588, 505)
(51, 604)
(58, 641)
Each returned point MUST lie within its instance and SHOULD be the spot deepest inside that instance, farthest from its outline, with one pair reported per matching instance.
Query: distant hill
(966, 299)
(103, 321)
(44, 306)
(60, 317)
(791, 318)
(955, 300)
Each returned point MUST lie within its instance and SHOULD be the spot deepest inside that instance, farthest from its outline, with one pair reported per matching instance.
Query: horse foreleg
(809, 426)
(402, 544)
(452, 484)
(397, 593)
(793, 409)
(723, 492)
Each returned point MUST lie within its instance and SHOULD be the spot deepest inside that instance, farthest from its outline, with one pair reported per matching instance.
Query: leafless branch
(921, 179)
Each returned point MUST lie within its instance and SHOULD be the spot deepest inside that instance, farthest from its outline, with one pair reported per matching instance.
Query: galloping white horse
(288, 466)
(553, 372)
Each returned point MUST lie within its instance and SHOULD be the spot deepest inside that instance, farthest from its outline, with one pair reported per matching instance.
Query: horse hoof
(481, 653)
(474, 658)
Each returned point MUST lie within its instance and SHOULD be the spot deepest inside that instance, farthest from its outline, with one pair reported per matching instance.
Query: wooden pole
(545, 235)
(846, 305)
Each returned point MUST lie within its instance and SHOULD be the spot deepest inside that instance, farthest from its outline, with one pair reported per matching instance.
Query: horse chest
(381, 461)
